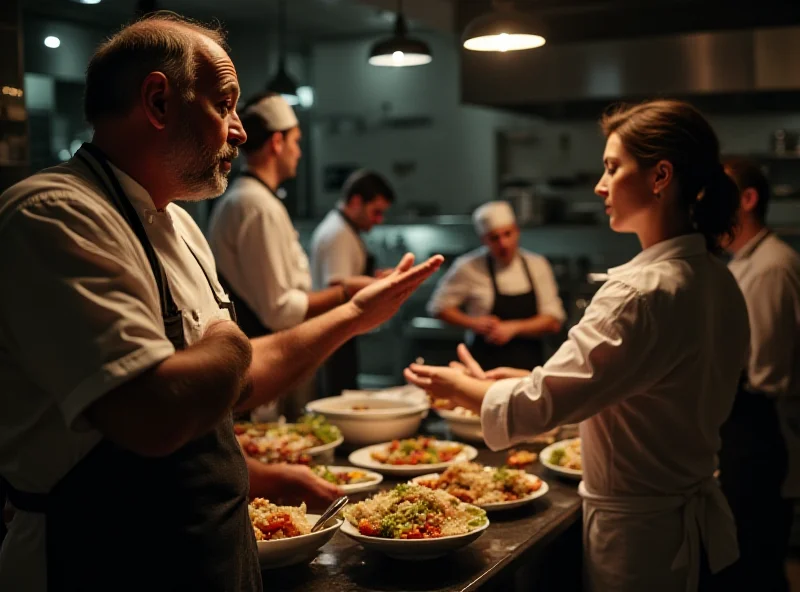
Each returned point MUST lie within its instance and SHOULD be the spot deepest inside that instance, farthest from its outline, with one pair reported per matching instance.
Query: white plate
(417, 549)
(544, 456)
(362, 458)
(299, 549)
(496, 506)
(374, 480)
(317, 450)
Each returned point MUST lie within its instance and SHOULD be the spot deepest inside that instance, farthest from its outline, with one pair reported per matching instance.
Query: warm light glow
(52, 42)
(11, 91)
(504, 42)
(401, 60)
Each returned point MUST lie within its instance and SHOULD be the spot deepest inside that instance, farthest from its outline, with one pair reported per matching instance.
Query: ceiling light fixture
(283, 83)
(400, 50)
(503, 29)
(52, 42)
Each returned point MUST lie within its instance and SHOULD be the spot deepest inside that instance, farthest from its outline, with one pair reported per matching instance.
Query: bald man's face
(204, 140)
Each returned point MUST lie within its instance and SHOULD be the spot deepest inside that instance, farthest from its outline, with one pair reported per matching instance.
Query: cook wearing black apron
(248, 320)
(340, 372)
(120, 521)
(520, 352)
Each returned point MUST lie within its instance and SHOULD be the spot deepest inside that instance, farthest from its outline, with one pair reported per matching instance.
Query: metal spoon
(332, 510)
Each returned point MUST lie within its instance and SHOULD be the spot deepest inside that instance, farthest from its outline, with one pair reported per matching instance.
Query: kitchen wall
(407, 123)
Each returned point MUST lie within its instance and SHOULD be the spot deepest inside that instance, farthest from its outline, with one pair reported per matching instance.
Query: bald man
(119, 362)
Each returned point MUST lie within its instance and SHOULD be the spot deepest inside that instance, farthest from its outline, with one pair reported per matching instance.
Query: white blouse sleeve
(608, 357)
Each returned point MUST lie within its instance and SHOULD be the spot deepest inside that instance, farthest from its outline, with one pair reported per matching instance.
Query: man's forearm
(178, 400)
(455, 317)
(324, 300)
(538, 326)
(283, 359)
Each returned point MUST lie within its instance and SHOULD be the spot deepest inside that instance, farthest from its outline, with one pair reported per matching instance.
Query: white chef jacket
(468, 283)
(258, 252)
(768, 272)
(79, 315)
(337, 251)
(651, 371)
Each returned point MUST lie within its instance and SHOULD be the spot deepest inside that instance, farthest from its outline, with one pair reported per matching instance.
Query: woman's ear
(663, 173)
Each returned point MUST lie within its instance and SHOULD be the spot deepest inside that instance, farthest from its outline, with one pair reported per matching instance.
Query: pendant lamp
(503, 29)
(400, 50)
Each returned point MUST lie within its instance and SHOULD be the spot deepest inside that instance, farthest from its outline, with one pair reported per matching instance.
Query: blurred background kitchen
(462, 129)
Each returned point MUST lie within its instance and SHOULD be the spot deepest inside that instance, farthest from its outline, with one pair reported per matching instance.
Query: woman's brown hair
(676, 132)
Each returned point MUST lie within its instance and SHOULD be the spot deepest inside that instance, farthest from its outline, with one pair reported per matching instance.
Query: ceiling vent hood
(739, 68)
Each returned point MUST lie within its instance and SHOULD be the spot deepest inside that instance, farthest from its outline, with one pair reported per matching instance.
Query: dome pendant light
(282, 83)
(503, 29)
(400, 50)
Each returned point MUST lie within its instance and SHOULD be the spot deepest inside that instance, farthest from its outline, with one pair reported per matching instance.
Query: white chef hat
(277, 114)
(491, 215)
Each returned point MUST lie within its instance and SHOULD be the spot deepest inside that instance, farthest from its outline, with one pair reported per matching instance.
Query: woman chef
(652, 368)
(509, 296)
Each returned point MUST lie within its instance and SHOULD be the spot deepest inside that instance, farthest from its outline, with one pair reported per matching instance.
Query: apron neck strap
(491, 266)
(98, 165)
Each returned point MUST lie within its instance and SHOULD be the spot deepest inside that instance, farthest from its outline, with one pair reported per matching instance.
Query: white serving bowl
(462, 427)
(414, 550)
(384, 419)
(299, 549)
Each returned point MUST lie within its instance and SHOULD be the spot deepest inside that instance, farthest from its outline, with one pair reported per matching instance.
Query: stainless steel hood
(721, 63)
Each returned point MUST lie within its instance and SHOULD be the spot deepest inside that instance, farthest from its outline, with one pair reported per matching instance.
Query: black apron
(340, 372)
(248, 320)
(120, 521)
(520, 352)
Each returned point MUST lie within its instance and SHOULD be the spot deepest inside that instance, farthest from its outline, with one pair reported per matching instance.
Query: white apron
(653, 544)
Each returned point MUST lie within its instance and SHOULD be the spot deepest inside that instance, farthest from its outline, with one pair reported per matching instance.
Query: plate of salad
(311, 436)
(414, 522)
(349, 479)
(413, 456)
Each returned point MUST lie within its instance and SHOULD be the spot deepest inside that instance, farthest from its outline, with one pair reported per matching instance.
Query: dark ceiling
(584, 20)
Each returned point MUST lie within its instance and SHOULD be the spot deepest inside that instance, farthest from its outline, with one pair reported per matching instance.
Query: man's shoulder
(332, 229)
(54, 190)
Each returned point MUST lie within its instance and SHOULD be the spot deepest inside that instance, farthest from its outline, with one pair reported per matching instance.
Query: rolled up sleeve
(453, 289)
(607, 358)
(79, 311)
(270, 289)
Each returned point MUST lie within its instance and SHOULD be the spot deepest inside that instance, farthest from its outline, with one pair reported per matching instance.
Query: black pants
(753, 466)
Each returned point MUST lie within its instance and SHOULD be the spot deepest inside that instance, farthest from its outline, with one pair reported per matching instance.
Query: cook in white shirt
(119, 364)
(256, 246)
(652, 368)
(508, 295)
(759, 460)
(338, 253)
